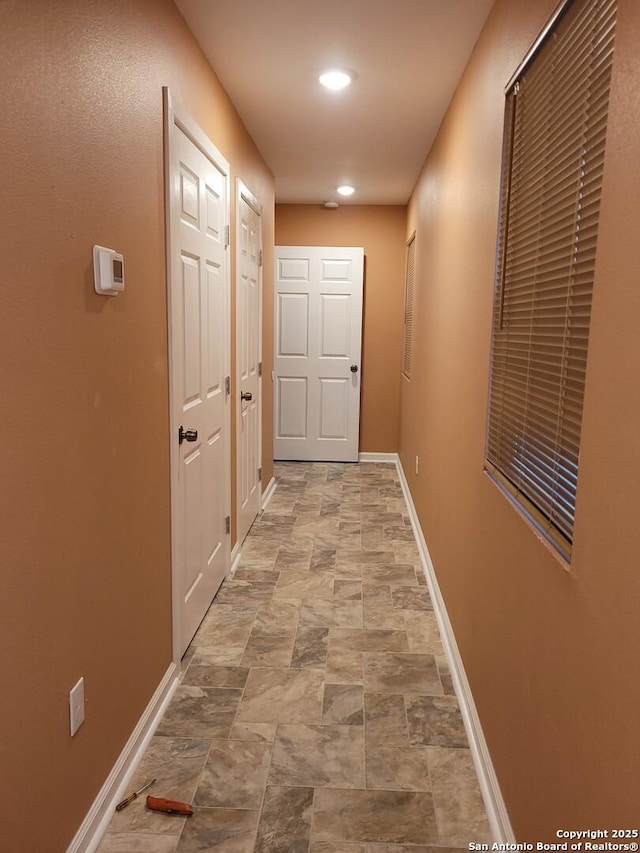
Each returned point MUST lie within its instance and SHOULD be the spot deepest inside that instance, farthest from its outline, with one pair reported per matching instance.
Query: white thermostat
(108, 271)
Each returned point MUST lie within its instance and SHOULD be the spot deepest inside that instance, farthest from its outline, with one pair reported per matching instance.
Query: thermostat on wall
(108, 271)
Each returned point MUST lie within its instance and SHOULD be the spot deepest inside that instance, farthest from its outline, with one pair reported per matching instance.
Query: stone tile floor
(316, 714)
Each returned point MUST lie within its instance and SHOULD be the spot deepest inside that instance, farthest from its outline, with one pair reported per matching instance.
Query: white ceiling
(408, 56)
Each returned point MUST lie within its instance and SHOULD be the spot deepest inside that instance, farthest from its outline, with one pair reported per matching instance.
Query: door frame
(243, 193)
(177, 118)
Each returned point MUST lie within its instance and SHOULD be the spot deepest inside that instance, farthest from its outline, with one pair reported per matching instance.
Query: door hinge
(259, 368)
(227, 384)
(227, 524)
(260, 258)
(260, 474)
(226, 236)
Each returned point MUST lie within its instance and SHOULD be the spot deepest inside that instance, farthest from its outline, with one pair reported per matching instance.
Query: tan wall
(553, 655)
(84, 499)
(381, 231)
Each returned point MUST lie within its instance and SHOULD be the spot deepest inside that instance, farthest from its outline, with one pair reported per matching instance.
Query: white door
(248, 355)
(198, 324)
(318, 346)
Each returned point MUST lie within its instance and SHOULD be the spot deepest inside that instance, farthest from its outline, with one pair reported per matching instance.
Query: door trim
(176, 117)
(243, 193)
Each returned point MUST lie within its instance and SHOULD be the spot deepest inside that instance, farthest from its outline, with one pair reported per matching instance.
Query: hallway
(316, 713)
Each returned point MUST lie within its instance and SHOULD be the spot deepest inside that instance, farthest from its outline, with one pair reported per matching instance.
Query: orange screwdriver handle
(159, 804)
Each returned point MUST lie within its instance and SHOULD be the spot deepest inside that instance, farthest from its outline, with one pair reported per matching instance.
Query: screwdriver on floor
(133, 796)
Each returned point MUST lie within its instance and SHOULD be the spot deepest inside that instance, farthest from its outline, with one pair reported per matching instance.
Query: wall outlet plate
(76, 706)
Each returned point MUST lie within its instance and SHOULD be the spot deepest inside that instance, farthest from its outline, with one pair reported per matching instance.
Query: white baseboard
(268, 492)
(235, 559)
(379, 457)
(88, 837)
(491, 794)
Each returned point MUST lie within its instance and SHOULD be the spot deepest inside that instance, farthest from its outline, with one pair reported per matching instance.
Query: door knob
(187, 435)
(245, 395)
(354, 368)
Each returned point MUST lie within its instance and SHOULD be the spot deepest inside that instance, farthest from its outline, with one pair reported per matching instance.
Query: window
(408, 307)
(554, 144)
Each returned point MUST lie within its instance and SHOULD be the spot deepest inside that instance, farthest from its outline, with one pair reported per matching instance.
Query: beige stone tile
(310, 648)
(393, 574)
(459, 807)
(228, 830)
(344, 666)
(398, 533)
(331, 614)
(323, 560)
(411, 598)
(347, 589)
(235, 775)
(298, 585)
(282, 696)
(382, 518)
(221, 655)
(349, 571)
(225, 625)
(445, 676)
(285, 821)
(385, 720)
(245, 592)
(204, 672)
(435, 721)
(343, 704)
(132, 842)
(177, 764)
(279, 618)
(373, 540)
(200, 712)
(368, 640)
(326, 755)
(387, 672)
(315, 523)
(402, 848)
(392, 817)
(342, 540)
(407, 552)
(376, 594)
(422, 632)
(361, 557)
(397, 768)
(249, 573)
(266, 650)
(258, 732)
(381, 618)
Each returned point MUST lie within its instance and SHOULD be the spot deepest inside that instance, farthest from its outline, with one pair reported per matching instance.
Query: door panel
(318, 338)
(198, 316)
(292, 407)
(248, 357)
(334, 408)
(335, 326)
(293, 328)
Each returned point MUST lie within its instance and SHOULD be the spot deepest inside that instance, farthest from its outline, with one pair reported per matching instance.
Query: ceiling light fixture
(335, 79)
(345, 189)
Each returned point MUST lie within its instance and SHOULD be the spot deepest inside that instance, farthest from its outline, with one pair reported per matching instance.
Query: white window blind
(555, 129)
(408, 307)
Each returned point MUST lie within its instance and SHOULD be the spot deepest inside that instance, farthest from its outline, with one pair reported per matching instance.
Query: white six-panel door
(318, 331)
(198, 324)
(248, 350)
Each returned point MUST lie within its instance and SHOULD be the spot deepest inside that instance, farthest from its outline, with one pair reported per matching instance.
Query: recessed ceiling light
(346, 190)
(335, 79)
